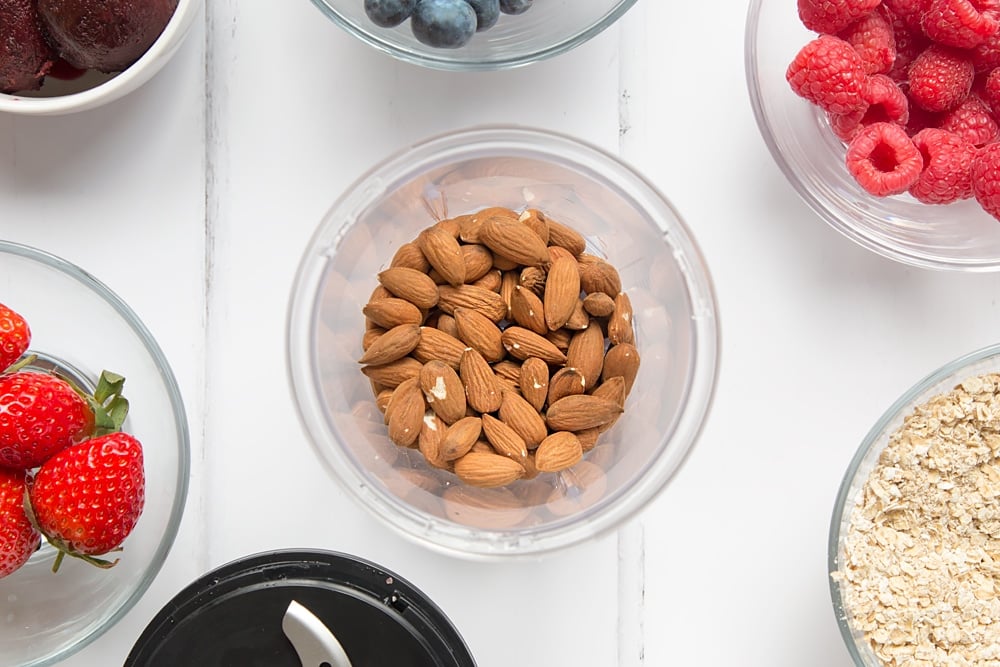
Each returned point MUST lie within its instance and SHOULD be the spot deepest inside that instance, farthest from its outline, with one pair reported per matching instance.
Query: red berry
(88, 497)
(828, 72)
(909, 43)
(961, 23)
(883, 159)
(972, 121)
(947, 173)
(909, 11)
(832, 16)
(940, 78)
(40, 414)
(886, 104)
(989, 89)
(986, 178)
(15, 336)
(18, 539)
(986, 56)
(872, 37)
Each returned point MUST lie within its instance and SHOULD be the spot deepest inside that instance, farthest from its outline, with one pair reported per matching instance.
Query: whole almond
(406, 415)
(478, 261)
(621, 360)
(379, 293)
(514, 241)
(588, 438)
(436, 344)
(403, 390)
(620, 324)
(558, 451)
(508, 283)
(382, 399)
(443, 390)
(576, 413)
(517, 413)
(412, 285)
(533, 278)
(535, 220)
(479, 332)
(562, 292)
(485, 301)
(566, 382)
(447, 324)
(391, 374)
(566, 237)
(504, 264)
(527, 310)
(394, 344)
(482, 388)
(599, 304)
(409, 256)
(504, 439)
(534, 382)
(586, 353)
(509, 371)
(578, 319)
(471, 225)
(370, 336)
(488, 470)
(460, 437)
(492, 281)
(560, 338)
(558, 252)
(523, 343)
(600, 277)
(432, 434)
(444, 254)
(450, 225)
(613, 389)
(391, 312)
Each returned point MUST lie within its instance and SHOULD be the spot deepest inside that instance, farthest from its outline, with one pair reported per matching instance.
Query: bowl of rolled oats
(914, 551)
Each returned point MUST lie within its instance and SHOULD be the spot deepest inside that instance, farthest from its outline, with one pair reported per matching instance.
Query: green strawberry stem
(20, 363)
(63, 548)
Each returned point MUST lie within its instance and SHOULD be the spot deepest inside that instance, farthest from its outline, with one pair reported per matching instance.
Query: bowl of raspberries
(885, 117)
(94, 457)
(61, 56)
(473, 34)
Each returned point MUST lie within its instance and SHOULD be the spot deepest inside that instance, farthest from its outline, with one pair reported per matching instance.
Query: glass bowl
(957, 236)
(943, 380)
(79, 328)
(93, 89)
(549, 28)
(623, 218)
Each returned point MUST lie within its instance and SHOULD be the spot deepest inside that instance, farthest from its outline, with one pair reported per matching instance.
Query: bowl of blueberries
(473, 34)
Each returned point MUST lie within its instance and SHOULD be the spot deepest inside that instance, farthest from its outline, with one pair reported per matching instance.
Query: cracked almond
(443, 390)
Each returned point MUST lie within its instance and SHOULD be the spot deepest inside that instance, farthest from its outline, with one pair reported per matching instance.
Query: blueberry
(389, 13)
(487, 13)
(515, 6)
(444, 24)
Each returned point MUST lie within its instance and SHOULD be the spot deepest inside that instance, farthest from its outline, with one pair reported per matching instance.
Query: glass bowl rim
(169, 534)
(700, 390)
(455, 64)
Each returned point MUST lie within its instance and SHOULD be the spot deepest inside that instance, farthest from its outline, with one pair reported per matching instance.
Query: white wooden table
(194, 198)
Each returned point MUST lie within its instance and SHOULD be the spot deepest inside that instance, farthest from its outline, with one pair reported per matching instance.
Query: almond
(370, 336)
(492, 281)
(443, 390)
(523, 343)
(504, 439)
(504, 264)
(488, 470)
(620, 324)
(449, 225)
(406, 414)
(588, 438)
(613, 389)
(460, 437)
(394, 344)
(444, 254)
(558, 451)
(479, 332)
(478, 261)
(534, 382)
(382, 399)
(533, 278)
(562, 292)
(391, 312)
(600, 276)
(409, 256)
(558, 252)
(470, 226)
(527, 310)
(517, 413)
(536, 222)
(566, 237)
(599, 304)
(486, 302)
(586, 353)
(397, 394)
(578, 319)
(482, 388)
(508, 283)
(412, 285)
(509, 371)
(482, 446)
(436, 344)
(560, 339)
(621, 360)
(391, 374)
(379, 293)
(577, 413)
(432, 434)
(566, 382)
(447, 324)
(513, 241)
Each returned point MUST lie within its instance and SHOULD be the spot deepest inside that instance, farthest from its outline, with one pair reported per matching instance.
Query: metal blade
(312, 640)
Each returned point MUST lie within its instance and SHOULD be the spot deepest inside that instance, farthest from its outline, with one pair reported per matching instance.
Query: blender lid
(232, 616)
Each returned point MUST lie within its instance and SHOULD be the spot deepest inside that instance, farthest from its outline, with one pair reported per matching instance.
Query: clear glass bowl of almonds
(916, 525)
(503, 341)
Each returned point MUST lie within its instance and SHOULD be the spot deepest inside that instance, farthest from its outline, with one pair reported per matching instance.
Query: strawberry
(41, 414)
(87, 498)
(15, 335)
(18, 539)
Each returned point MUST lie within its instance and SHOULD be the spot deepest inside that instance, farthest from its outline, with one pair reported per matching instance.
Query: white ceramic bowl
(93, 89)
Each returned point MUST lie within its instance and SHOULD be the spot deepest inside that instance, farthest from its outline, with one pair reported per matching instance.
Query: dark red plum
(25, 57)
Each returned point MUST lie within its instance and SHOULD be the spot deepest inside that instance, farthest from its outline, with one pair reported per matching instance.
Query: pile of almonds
(498, 347)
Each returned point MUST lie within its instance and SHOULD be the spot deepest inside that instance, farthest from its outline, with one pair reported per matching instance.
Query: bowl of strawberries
(884, 115)
(94, 457)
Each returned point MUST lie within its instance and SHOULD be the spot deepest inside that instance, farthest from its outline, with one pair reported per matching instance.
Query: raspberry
(908, 11)
(961, 23)
(883, 159)
(872, 37)
(909, 44)
(986, 179)
(828, 72)
(989, 89)
(886, 103)
(972, 121)
(947, 173)
(986, 56)
(921, 119)
(940, 78)
(832, 16)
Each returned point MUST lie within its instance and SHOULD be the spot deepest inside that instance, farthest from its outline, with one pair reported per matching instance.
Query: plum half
(25, 57)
